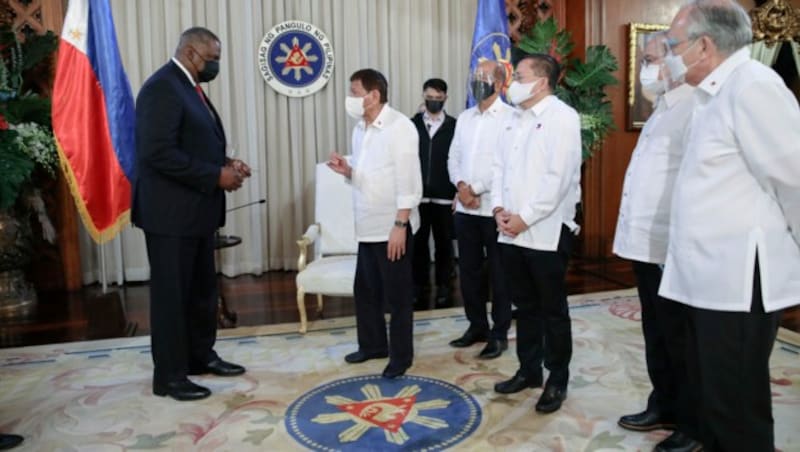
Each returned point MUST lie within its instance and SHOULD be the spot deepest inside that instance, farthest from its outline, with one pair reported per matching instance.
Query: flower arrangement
(582, 84)
(27, 146)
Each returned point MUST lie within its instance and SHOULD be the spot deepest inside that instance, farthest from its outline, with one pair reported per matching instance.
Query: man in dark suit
(178, 200)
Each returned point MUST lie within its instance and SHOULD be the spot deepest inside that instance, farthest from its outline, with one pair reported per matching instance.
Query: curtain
(283, 138)
(760, 51)
(796, 54)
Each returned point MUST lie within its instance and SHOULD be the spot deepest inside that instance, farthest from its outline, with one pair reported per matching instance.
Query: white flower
(37, 142)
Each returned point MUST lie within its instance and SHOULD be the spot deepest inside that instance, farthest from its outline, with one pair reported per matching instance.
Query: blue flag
(490, 39)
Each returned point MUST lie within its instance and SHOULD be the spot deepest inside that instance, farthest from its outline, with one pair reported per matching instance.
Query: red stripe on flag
(80, 124)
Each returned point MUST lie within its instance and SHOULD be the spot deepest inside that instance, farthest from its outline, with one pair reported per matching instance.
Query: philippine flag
(94, 118)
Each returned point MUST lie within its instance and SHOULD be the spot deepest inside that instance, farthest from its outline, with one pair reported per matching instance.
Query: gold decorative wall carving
(25, 17)
(522, 14)
(775, 21)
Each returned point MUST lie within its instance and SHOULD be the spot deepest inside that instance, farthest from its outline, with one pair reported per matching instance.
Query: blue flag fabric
(103, 53)
(490, 39)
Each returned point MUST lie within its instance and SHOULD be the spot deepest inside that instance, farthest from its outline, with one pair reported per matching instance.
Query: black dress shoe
(392, 371)
(493, 349)
(645, 421)
(7, 441)
(469, 338)
(181, 390)
(517, 383)
(220, 368)
(360, 357)
(551, 399)
(678, 442)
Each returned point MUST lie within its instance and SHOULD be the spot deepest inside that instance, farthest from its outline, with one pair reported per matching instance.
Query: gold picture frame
(638, 108)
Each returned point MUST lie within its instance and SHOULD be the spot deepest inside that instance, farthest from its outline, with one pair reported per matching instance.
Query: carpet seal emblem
(374, 413)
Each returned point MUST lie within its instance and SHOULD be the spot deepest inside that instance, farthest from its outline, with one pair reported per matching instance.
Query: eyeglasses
(516, 76)
(671, 43)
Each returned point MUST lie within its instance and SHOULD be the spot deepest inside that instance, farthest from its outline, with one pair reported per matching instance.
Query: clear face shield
(481, 84)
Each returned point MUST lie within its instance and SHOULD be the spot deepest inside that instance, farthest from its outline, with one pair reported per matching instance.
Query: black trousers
(183, 304)
(538, 288)
(476, 234)
(664, 326)
(728, 360)
(438, 219)
(380, 282)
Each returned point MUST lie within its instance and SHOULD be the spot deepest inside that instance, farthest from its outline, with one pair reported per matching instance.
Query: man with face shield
(470, 166)
(734, 240)
(387, 187)
(179, 202)
(535, 190)
(435, 129)
(641, 236)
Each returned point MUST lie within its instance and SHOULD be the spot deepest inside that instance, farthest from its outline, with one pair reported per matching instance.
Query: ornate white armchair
(333, 268)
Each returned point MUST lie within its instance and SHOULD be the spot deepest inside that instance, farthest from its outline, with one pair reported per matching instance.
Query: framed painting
(639, 108)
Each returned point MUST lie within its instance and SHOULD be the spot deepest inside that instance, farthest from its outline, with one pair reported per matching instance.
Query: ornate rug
(299, 394)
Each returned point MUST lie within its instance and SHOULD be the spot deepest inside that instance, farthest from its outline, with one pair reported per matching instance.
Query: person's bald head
(491, 69)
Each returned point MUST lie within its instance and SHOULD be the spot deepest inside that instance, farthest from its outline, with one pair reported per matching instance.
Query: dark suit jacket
(180, 149)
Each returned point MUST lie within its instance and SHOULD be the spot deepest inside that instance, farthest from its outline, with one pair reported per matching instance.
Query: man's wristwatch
(400, 224)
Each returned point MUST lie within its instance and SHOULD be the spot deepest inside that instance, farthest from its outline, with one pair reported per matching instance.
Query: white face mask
(520, 92)
(354, 106)
(652, 87)
(677, 67)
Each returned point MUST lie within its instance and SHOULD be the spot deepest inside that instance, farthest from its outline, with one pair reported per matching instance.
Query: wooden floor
(257, 300)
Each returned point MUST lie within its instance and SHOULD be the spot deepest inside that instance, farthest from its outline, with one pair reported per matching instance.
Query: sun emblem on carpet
(373, 413)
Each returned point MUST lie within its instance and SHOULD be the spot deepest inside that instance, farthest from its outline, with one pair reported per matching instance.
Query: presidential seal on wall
(374, 413)
(295, 58)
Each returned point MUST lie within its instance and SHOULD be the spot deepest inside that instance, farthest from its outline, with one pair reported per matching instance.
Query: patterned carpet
(298, 393)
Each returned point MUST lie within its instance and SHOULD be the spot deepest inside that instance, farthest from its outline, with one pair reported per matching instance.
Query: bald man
(470, 167)
(179, 202)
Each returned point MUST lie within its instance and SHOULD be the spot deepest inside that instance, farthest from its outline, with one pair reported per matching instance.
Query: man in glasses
(535, 190)
(641, 237)
(734, 239)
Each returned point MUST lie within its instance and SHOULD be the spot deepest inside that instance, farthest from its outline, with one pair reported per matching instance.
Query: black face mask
(482, 90)
(209, 72)
(434, 106)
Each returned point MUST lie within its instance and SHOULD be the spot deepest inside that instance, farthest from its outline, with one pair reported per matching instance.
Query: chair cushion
(331, 275)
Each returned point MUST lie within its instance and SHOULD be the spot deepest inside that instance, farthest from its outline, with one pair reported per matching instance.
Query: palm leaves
(583, 83)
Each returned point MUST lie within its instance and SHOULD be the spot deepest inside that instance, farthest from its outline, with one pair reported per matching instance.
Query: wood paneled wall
(606, 22)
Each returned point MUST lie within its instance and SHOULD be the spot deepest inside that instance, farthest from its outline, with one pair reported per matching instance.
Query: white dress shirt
(185, 71)
(643, 222)
(537, 172)
(432, 123)
(472, 152)
(386, 175)
(737, 193)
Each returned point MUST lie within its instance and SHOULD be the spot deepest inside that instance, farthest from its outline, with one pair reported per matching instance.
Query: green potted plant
(27, 154)
(582, 84)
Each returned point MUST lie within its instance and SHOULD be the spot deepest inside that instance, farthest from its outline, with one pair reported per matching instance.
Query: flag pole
(103, 280)
(120, 261)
